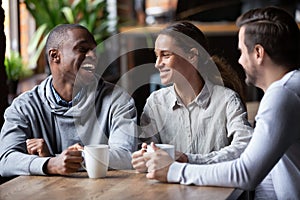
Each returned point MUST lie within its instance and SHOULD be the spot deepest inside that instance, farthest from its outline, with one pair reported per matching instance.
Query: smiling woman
(205, 121)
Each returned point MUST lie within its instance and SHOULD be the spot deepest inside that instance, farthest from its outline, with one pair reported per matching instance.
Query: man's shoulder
(290, 83)
(112, 88)
(293, 83)
(25, 104)
(31, 97)
(113, 92)
(27, 96)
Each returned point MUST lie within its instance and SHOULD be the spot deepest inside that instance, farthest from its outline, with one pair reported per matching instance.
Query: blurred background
(26, 23)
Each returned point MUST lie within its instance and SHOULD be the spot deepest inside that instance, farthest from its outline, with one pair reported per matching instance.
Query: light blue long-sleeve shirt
(273, 152)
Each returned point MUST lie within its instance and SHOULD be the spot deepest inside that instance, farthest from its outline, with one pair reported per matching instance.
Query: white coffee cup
(96, 158)
(169, 148)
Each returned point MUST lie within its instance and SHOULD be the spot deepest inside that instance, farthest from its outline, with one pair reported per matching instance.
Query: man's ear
(54, 55)
(259, 52)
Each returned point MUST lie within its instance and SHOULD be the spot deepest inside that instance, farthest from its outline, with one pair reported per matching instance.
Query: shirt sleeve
(123, 138)
(14, 159)
(276, 131)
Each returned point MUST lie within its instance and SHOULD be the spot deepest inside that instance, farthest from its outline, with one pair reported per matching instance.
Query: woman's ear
(193, 54)
(54, 55)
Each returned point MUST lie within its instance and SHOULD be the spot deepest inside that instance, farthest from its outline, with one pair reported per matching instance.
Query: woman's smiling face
(170, 60)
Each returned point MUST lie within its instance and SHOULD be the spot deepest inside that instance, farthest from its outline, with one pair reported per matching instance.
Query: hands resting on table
(157, 163)
(69, 161)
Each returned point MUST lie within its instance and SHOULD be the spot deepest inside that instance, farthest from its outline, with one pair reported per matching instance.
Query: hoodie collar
(85, 104)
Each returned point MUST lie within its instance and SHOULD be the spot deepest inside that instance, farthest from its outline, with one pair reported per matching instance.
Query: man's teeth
(88, 67)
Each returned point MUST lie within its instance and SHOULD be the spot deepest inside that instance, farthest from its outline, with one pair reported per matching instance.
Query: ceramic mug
(96, 160)
(169, 148)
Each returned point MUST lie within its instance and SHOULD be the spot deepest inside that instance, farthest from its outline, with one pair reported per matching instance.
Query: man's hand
(69, 161)
(158, 164)
(181, 157)
(37, 146)
(138, 162)
(76, 147)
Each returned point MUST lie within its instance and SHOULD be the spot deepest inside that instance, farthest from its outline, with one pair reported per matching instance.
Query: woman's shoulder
(220, 89)
(226, 95)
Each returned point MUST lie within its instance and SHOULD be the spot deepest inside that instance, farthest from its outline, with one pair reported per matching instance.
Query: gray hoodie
(105, 114)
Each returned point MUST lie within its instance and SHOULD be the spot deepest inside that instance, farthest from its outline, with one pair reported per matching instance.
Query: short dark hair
(58, 35)
(274, 29)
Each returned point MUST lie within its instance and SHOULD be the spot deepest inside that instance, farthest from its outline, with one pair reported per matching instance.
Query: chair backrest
(252, 107)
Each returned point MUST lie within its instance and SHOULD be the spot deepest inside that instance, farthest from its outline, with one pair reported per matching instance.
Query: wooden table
(117, 185)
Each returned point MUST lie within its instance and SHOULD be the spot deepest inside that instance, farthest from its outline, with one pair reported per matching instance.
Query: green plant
(14, 67)
(48, 13)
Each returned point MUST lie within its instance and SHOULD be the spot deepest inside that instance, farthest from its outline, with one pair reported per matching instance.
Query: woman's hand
(138, 162)
(158, 164)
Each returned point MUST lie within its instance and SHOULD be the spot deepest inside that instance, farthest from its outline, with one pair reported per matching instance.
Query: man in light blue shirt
(269, 43)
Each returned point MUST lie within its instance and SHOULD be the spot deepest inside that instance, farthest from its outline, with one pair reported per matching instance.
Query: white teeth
(88, 67)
